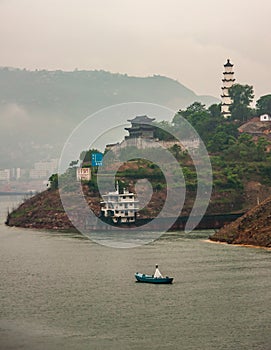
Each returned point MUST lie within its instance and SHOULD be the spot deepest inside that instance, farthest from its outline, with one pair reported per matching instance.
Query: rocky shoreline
(252, 229)
(45, 211)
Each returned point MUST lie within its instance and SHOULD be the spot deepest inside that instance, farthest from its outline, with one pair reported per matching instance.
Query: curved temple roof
(143, 119)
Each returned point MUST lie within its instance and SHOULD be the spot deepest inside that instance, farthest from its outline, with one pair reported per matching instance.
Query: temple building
(228, 81)
(142, 136)
(142, 126)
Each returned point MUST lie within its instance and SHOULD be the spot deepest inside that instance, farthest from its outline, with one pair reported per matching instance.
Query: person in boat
(157, 273)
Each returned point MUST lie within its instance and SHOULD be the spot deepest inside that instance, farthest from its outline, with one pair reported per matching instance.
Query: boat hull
(141, 277)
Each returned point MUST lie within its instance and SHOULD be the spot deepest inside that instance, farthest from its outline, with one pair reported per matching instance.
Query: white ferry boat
(119, 207)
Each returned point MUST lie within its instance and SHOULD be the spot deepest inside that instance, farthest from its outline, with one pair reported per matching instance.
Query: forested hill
(81, 92)
(39, 109)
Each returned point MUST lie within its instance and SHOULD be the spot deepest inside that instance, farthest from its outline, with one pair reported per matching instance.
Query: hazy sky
(187, 40)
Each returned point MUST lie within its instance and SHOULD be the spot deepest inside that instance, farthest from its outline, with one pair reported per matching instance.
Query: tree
(216, 132)
(242, 96)
(177, 151)
(261, 148)
(215, 110)
(263, 105)
(53, 180)
(86, 156)
(223, 137)
(220, 141)
(196, 107)
(163, 131)
(245, 149)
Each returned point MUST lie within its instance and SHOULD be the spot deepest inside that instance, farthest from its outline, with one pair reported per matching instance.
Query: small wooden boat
(141, 277)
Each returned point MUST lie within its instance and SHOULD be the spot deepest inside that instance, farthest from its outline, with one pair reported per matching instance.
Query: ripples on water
(62, 291)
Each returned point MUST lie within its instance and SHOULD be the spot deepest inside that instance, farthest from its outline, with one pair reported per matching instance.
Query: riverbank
(253, 228)
(237, 245)
(45, 211)
(42, 211)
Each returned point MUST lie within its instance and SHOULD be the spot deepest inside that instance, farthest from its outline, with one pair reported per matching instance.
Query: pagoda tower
(228, 81)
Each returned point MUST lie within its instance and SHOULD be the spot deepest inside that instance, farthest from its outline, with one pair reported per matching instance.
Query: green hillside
(39, 109)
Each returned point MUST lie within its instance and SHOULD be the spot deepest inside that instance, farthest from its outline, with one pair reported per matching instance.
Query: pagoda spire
(228, 81)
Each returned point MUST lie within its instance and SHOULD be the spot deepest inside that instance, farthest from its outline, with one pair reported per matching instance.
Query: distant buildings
(7, 175)
(4, 174)
(228, 81)
(42, 170)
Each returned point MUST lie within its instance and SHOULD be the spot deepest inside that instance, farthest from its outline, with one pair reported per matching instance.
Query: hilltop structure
(142, 126)
(228, 81)
(141, 135)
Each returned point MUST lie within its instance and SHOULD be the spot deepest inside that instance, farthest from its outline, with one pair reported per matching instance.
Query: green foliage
(263, 105)
(164, 131)
(86, 156)
(242, 96)
(92, 184)
(265, 171)
(146, 171)
(216, 132)
(236, 158)
(158, 187)
(190, 177)
(221, 136)
(53, 180)
(68, 180)
(194, 109)
(199, 117)
(245, 149)
(224, 136)
(177, 152)
(215, 110)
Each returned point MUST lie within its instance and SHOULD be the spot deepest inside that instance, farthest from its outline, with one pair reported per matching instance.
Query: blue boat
(141, 277)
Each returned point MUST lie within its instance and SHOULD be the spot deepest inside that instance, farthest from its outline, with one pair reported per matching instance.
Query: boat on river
(142, 277)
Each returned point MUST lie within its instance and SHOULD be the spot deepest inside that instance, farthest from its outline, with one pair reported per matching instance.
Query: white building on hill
(265, 118)
(119, 207)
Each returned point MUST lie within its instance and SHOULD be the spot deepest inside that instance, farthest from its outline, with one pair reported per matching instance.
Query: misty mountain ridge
(39, 109)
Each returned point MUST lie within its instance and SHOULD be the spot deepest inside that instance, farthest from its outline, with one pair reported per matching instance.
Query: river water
(60, 291)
